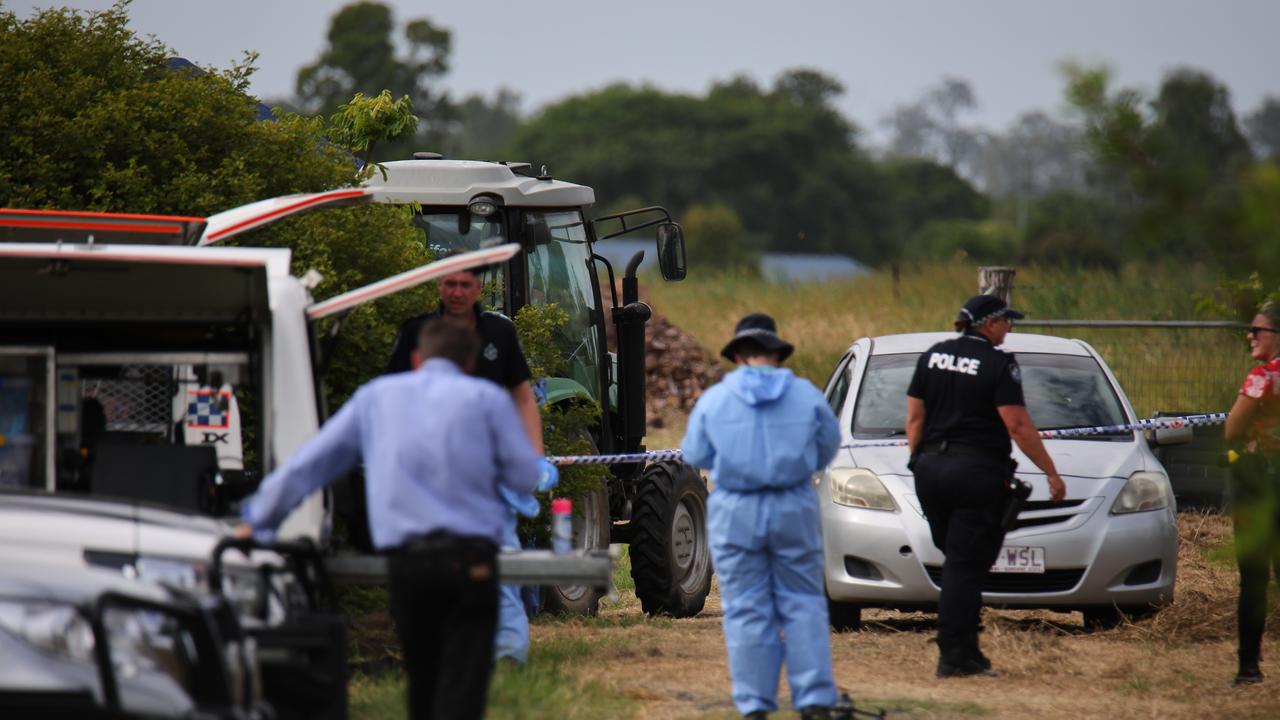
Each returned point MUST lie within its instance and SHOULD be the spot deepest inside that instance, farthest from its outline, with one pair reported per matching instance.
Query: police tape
(650, 456)
(1164, 423)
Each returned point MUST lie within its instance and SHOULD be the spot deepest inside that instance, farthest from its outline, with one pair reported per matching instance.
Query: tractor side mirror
(671, 251)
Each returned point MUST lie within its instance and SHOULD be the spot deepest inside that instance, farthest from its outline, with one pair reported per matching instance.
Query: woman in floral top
(1254, 427)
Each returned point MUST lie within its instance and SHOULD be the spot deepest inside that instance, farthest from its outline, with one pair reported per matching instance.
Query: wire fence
(1166, 361)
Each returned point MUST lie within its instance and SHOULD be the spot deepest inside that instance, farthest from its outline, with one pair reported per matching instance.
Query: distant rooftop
(775, 267)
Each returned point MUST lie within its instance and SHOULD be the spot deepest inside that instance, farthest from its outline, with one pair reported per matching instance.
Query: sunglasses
(1258, 330)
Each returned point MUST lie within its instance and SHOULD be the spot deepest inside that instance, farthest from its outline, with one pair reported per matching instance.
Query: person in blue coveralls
(763, 433)
(442, 452)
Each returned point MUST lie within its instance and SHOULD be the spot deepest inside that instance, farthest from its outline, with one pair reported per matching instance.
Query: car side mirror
(1172, 436)
(671, 251)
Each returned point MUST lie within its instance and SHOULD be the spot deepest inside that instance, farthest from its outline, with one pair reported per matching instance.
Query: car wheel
(1102, 618)
(845, 616)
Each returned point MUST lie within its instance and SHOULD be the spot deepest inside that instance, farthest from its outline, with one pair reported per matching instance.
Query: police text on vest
(947, 361)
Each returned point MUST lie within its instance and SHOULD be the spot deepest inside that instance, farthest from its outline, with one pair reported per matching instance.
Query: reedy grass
(1182, 370)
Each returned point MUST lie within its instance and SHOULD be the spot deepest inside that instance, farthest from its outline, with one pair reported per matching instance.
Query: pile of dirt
(677, 370)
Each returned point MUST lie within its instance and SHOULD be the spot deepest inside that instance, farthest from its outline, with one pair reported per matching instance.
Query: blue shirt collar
(442, 366)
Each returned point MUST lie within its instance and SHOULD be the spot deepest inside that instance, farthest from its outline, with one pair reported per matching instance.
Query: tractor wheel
(670, 555)
(590, 532)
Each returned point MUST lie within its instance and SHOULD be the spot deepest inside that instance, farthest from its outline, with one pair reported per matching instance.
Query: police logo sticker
(1015, 373)
(490, 352)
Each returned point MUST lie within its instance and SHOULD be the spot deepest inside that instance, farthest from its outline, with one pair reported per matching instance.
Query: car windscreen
(1061, 391)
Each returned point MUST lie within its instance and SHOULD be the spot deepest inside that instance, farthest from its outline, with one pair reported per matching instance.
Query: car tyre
(844, 616)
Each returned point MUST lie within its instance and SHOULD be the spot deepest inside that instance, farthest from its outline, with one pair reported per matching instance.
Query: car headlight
(146, 641)
(859, 487)
(53, 627)
(141, 641)
(1143, 491)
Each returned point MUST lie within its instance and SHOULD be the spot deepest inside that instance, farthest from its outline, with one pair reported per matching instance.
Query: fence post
(996, 281)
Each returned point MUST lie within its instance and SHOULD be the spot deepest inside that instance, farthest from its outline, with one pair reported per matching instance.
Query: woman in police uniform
(963, 406)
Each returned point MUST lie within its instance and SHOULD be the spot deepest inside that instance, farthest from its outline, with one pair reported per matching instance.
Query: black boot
(815, 712)
(958, 662)
(975, 653)
(756, 715)
(1249, 673)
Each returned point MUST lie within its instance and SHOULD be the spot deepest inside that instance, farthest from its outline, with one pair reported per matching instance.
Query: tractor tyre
(590, 532)
(670, 554)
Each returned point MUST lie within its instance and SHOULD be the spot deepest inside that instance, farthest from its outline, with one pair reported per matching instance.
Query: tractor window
(560, 273)
(445, 231)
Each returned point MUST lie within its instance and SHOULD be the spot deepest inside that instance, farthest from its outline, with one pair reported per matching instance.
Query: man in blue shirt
(763, 433)
(439, 449)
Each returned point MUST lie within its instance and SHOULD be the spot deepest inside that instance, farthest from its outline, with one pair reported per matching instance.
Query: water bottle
(561, 525)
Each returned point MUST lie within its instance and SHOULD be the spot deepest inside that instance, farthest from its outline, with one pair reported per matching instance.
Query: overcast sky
(886, 53)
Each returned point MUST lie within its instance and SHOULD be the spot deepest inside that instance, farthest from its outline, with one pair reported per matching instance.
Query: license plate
(1019, 559)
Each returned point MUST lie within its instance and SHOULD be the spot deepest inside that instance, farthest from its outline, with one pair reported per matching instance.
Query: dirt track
(1176, 665)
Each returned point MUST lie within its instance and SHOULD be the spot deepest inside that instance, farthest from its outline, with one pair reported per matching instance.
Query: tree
(931, 129)
(1263, 129)
(1036, 155)
(1073, 229)
(923, 192)
(481, 127)
(1174, 161)
(782, 158)
(361, 124)
(716, 240)
(986, 241)
(97, 121)
(362, 57)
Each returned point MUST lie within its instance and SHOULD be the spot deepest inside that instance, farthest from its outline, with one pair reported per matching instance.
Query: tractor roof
(458, 182)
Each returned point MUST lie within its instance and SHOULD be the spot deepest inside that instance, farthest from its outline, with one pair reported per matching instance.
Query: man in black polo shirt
(500, 359)
(963, 405)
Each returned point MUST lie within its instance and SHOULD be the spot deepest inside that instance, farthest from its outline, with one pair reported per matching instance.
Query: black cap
(761, 329)
(981, 308)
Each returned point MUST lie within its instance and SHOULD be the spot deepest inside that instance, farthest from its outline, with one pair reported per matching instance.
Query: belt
(441, 541)
(951, 447)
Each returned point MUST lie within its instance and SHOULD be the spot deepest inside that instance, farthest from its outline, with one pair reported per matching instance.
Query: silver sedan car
(1109, 547)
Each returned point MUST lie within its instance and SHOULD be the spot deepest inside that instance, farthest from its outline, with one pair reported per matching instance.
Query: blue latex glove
(526, 505)
(548, 475)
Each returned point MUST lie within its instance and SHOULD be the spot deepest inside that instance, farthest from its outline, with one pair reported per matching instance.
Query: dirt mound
(677, 370)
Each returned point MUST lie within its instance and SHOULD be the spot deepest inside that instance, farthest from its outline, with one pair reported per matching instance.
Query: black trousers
(444, 599)
(1256, 521)
(961, 496)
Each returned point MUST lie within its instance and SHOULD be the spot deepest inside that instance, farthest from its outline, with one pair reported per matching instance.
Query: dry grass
(1160, 369)
(1175, 665)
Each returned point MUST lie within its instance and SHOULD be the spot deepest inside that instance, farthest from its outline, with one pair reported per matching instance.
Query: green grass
(545, 689)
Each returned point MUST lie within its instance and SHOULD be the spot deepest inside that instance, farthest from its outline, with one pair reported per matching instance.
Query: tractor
(658, 508)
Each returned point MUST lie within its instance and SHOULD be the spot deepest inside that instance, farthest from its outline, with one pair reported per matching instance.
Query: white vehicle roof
(167, 282)
(1014, 342)
(458, 182)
